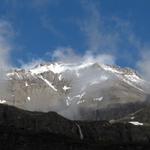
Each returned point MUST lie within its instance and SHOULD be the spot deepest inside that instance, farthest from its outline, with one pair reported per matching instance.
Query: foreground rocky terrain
(24, 130)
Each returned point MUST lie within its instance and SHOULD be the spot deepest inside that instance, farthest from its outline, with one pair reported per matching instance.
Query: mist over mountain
(73, 89)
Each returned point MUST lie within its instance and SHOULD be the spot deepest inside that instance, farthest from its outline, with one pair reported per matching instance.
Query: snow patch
(55, 68)
(26, 84)
(77, 74)
(133, 78)
(65, 88)
(58, 68)
(28, 98)
(98, 99)
(111, 69)
(136, 123)
(131, 84)
(128, 78)
(68, 100)
(80, 102)
(48, 83)
(132, 118)
(2, 101)
(60, 77)
(80, 95)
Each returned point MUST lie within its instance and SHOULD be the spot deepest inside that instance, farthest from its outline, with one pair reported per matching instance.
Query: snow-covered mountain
(65, 87)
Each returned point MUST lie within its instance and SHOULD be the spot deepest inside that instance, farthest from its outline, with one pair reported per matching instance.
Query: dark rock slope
(24, 130)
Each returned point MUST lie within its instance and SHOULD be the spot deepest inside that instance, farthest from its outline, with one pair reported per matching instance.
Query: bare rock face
(26, 130)
(70, 89)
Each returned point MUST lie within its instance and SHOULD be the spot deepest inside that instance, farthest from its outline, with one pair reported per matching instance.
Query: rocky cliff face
(73, 88)
(26, 130)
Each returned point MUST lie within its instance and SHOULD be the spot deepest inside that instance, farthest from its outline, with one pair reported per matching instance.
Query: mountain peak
(64, 86)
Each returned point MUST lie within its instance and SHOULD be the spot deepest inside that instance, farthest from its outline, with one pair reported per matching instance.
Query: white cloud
(65, 54)
(99, 58)
(68, 55)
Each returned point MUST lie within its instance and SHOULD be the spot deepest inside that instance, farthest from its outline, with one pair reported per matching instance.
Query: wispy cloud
(112, 35)
(141, 48)
(143, 64)
(97, 38)
(44, 3)
(112, 42)
(6, 34)
(106, 43)
(39, 5)
(48, 24)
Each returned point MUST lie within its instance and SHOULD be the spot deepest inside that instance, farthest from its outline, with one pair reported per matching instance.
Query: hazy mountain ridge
(71, 88)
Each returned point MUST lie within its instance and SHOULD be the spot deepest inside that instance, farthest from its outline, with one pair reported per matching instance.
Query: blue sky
(35, 29)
